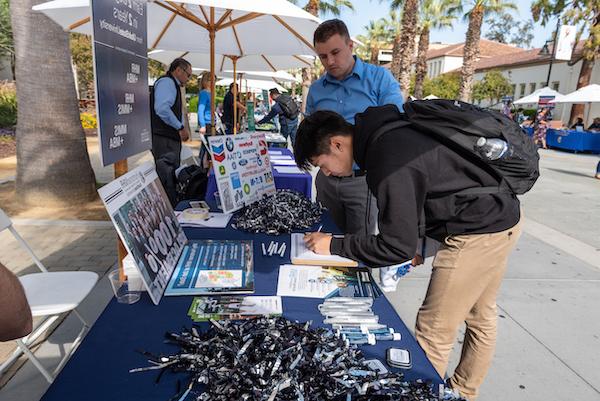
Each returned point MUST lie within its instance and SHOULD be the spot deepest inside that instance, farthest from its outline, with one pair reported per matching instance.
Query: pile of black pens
(280, 213)
(271, 359)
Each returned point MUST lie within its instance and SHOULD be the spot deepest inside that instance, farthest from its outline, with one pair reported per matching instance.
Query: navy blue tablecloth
(99, 370)
(573, 140)
(298, 182)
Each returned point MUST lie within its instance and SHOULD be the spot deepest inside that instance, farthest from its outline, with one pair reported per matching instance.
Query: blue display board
(121, 70)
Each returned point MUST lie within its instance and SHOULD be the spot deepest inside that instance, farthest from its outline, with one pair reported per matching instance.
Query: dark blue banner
(120, 57)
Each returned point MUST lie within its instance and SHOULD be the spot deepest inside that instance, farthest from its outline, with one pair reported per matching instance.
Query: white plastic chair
(50, 294)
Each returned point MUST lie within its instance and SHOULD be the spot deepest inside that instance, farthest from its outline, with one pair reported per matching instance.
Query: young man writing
(411, 175)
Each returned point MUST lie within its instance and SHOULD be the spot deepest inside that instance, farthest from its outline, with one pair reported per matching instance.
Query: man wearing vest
(167, 116)
(348, 87)
(287, 110)
(413, 174)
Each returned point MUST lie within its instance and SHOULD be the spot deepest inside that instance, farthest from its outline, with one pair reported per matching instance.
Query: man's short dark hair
(179, 62)
(274, 91)
(329, 28)
(314, 134)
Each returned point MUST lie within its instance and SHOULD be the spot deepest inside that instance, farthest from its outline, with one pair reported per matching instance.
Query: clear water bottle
(491, 148)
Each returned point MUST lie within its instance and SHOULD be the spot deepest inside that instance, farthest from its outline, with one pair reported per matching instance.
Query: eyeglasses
(188, 73)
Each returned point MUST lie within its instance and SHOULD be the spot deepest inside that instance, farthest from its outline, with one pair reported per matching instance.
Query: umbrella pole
(211, 34)
(234, 60)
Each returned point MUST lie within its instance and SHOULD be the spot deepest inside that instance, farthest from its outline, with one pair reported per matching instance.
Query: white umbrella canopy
(587, 94)
(535, 96)
(252, 62)
(430, 97)
(274, 27)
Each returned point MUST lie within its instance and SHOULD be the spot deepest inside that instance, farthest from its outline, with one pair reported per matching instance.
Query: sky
(367, 10)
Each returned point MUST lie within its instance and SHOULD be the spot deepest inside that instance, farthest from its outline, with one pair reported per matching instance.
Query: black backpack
(459, 125)
(191, 183)
(288, 106)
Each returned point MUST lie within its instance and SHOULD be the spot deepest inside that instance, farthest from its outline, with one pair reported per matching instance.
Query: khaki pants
(467, 272)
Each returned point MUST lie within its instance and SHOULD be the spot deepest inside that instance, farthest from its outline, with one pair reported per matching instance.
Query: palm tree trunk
(421, 68)
(53, 166)
(374, 55)
(471, 52)
(404, 46)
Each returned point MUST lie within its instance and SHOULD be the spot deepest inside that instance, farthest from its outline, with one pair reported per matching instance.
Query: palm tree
(435, 14)
(404, 43)
(478, 11)
(316, 7)
(53, 166)
(377, 35)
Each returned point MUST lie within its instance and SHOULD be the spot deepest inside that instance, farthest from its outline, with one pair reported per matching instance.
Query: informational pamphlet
(214, 267)
(324, 282)
(234, 307)
(242, 169)
(140, 211)
(301, 255)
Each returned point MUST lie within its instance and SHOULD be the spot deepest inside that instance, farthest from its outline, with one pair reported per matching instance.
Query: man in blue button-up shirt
(348, 87)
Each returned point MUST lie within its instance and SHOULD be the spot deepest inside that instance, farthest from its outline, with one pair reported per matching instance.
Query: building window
(556, 85)
(532, 87)
(543, 85)
(522, 90)
(514, 90)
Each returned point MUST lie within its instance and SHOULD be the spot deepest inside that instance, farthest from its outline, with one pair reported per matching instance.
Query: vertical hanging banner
(242, 169)
(121, 71)
(566, 42)
(250, 114)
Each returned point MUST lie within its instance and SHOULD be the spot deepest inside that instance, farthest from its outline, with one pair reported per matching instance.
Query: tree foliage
(81, 54)
(583, 13)
(492, 87)
(505, 29)
(445, 86)
(7, 46)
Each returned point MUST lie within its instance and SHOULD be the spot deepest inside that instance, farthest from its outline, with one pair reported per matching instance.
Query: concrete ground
(548, 307)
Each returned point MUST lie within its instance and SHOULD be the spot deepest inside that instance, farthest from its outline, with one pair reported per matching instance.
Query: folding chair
(50, 294)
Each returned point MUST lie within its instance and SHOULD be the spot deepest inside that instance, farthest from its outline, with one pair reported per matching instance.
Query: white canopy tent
(534, 98)
(586, 95)
(275, 77)
(430, 97)
(228, 27)
(254, 85)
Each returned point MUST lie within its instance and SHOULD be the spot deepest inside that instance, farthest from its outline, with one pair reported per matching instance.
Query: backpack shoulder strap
(385, 128)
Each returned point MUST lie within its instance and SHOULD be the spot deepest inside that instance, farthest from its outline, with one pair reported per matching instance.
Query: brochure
(213, 267)
(234, 307)
(325, 282)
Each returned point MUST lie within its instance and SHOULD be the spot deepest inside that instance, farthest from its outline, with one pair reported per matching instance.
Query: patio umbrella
(227, 27)
(534, 98)
(586, 95)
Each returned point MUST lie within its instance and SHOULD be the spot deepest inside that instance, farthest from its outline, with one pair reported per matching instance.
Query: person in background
(519, 116)
(227, 118)
(577, 123)
(286, 108)
(166, 111)
(204, 102)
(507, 109)
(15, 314)
(595, 127)
(540, 126)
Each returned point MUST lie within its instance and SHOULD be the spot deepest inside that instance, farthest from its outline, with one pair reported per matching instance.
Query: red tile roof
(487, 49)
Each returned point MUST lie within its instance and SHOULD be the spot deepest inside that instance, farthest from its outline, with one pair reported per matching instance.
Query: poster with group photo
(242, 169)
(140, 211)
